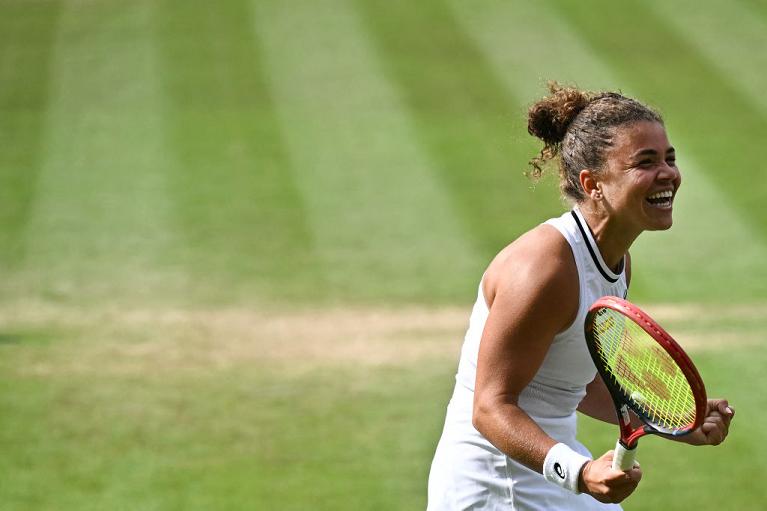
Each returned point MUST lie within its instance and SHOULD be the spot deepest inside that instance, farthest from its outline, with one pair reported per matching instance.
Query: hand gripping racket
(645, 371)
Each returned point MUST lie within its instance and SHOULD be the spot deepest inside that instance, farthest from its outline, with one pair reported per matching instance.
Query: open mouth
(661, 199)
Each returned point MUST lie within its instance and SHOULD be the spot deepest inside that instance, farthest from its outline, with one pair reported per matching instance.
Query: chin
(662, 225)
(661, 222)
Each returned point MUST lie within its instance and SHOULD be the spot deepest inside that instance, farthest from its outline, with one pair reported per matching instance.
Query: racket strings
(644, 371)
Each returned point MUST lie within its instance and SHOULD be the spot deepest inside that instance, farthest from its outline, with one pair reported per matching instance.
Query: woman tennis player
(509, 437)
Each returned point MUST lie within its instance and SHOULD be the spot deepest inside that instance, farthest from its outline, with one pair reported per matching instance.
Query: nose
(669, 172)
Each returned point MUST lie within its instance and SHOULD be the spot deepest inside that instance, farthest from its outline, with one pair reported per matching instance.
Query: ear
(589, 184)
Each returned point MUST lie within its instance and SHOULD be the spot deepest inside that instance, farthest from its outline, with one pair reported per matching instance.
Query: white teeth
(661, 195)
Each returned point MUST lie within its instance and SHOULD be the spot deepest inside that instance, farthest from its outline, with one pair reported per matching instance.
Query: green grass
(91, 421)
(25, 75)
(227, 152)
(165, 152)
(334, 438)
(356, 159)
(182, 158)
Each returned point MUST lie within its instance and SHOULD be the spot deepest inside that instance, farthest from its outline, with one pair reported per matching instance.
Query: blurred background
(240, 241)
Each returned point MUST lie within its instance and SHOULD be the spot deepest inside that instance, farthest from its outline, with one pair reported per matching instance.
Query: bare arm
(525, 287)
(597, 403)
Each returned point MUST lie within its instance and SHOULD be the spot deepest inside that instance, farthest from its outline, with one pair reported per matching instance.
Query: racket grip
(623, 459)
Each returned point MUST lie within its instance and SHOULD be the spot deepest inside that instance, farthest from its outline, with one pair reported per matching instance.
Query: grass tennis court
(239, 242)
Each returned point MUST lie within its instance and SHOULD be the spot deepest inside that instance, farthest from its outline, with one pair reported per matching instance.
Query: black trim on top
(597, 263)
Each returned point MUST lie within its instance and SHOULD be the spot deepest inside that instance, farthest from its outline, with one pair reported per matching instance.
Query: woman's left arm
(598, 404)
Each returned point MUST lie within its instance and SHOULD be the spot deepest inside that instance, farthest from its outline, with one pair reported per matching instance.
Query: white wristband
(562, 467)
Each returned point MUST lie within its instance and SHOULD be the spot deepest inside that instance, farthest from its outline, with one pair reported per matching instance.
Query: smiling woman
(618, 165)
(509, 439)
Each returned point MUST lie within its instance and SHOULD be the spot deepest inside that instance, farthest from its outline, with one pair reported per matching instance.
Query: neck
(613, 239)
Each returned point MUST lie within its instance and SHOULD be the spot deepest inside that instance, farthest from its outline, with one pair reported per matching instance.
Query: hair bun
(549, 118)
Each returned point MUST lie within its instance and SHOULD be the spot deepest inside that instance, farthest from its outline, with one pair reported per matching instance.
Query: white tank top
(560, 383)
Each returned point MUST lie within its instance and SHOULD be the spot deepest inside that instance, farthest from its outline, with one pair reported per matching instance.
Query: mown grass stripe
(26, 38)
(469, 123)
(733, 40)
(244, 224)
(527, 44)
(698, 99)
(383, 224)
(99, 221)
(707, 225)
(758, 7)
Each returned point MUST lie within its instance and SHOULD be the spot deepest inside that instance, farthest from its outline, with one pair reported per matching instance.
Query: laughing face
(640, 178)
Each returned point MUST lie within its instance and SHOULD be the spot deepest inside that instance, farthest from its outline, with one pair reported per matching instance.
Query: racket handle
(623, 458)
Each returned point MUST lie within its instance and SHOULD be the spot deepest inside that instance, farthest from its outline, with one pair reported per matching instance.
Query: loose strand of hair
(549, 153)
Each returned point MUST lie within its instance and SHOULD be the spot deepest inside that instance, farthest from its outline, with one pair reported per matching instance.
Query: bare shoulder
(540, 254)
(538, 266)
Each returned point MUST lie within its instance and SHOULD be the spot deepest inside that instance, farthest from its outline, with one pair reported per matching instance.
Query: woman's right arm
(532, 293)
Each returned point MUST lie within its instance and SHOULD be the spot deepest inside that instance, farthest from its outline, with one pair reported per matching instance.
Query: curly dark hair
(578, 127)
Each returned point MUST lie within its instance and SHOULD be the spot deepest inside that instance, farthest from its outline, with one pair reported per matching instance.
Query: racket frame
(623, 402)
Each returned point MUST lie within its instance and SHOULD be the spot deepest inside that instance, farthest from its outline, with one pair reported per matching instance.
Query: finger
(723, 407)
(719, 421)
(710, 427)
(714, 434)
(714, 418)
(619, 478)
(635, 474)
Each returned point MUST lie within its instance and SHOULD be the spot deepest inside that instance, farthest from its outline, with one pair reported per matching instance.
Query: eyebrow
(651, 152)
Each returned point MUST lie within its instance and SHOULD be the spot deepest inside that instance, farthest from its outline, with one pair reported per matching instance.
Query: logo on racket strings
(630, 376)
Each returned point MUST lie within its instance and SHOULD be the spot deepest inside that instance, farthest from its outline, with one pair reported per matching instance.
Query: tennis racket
(646, 372)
